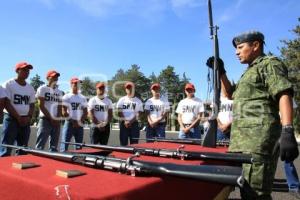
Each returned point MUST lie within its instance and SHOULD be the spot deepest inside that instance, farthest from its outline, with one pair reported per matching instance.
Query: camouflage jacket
(256, 125)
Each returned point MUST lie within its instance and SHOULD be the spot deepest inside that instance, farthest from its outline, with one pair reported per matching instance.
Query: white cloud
(230, 12)
(147, 9)
(48, 3)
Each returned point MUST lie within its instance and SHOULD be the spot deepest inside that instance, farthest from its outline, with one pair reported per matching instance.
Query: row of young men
(17, 98)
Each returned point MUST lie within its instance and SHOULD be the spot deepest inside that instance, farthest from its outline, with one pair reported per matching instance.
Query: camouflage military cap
(249, 36)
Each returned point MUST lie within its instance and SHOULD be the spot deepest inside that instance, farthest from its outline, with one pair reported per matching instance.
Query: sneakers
(295, 193)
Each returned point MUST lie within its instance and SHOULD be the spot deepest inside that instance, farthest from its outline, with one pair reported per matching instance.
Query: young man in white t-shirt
(157, 111)
(19, 107)
(74, 109)
(49, 97)
(100, 111)
(129, 108)
(190, 111)
(225, 118)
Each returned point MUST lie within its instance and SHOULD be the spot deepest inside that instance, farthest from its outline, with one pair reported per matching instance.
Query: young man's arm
(120, 114)
(65, 111)
(84, 115)
(93, 117)
(149, 118)
(179, 118)
(12, 111)
(44, 110)
(110, 115)
(164, 116)
(196, 121)
(223, 127)
(226, 85)
(30, 112)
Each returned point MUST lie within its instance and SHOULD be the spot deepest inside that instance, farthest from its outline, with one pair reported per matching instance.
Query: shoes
(295, 193)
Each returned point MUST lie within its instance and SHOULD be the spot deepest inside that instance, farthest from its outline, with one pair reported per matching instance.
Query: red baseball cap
(22, 65)
(129, 85)
(52, 73)
(155, 85)
(75, 80)
(189, 86)
(100, 85)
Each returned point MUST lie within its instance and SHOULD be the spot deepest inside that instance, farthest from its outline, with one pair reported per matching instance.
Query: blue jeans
(11, 132)
(291, 176)
(68, 132)
(193, 133)
(46, 129)
(158, 131)
(129, 133)
(222, 136)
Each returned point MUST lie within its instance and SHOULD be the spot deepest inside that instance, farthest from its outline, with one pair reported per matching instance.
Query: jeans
(222, 136)
(193, 133)
(158, 131)
(46, 129)
(100, 136)
(291, 176)
(68, 132)
(129, 133)
(11, 132)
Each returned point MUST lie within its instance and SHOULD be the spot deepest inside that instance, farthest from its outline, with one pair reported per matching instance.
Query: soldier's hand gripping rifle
(217, 174)
(170, 153)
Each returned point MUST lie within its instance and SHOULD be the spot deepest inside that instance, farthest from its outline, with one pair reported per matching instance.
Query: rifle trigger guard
(179, 152)
(130, 168)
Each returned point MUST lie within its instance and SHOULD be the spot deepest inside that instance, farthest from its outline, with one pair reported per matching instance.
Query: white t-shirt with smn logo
(52, 98)
(2, 92)
(226, 115)
(130, 107)
(20, 96)
(190, 109)
(157, 108)
(100, 107)
(75, 104)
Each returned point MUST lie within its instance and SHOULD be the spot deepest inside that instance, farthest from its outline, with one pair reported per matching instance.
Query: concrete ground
(280, 176)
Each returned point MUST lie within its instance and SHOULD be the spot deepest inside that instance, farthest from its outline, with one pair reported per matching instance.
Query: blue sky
(97, 37)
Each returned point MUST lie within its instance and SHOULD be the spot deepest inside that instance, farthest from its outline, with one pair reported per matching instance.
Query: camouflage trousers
(260, 176)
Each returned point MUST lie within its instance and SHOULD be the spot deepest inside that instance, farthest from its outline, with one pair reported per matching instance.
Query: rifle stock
(216, 174)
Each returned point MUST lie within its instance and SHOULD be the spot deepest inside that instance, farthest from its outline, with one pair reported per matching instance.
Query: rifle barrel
(171, 153)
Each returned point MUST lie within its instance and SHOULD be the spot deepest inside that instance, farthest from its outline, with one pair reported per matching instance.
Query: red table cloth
(43, 183)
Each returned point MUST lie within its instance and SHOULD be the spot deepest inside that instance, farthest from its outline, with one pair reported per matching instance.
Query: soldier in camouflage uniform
(261, 93)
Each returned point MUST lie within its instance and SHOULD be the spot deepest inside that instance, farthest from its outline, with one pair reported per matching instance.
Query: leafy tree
(153, 78)
(36, 82)
(172, 88)
(88, 87)
(184, 81)
(170, 83)
(290, 54)
(116, 84)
